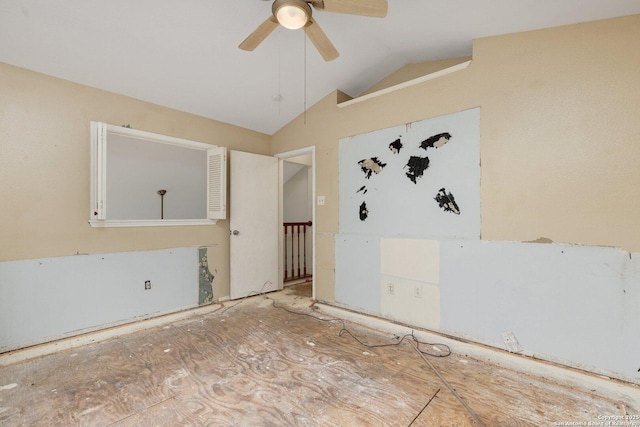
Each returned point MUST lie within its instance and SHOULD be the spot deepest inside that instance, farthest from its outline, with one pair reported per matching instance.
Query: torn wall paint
(397, 207)
(363, 212)
(396, 146)
(447, 202)
(416, 167)
(436, 141)
(372, 165)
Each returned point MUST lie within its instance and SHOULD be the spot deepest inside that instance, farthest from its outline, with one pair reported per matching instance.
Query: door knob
(235, 232)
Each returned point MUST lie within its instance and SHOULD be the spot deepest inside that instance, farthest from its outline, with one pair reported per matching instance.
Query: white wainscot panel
(571, 303)
(50, 298)
(358, 271)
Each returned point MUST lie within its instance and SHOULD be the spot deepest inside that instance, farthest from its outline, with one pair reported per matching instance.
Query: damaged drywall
(370, 166)
(416, 167)
(389, 186)
(447, 202)
(436, 141)
(363, 212)
(396, 146)
(205, 278)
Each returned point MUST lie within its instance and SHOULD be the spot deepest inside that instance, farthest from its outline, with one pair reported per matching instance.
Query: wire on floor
(415, 344)
(443, 349)
(423, 408)
(250, 294)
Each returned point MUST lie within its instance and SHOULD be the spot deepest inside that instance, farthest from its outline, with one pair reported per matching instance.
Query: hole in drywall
(417, 165)
(447, 202)
(370, 166)
(395, 146)
(364, 213)
(206, 277)
(436, 141)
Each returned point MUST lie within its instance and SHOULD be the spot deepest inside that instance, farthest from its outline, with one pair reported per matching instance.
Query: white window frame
(216, 178)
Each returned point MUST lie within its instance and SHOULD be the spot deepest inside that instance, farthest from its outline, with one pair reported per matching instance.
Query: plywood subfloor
(253, 364)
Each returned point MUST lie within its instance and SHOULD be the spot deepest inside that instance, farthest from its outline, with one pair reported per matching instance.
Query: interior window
(144, 179)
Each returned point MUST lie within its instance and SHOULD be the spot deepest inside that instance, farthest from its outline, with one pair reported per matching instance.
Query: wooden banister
(295, 251)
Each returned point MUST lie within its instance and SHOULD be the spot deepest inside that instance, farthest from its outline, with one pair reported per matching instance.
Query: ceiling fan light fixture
(292, 14)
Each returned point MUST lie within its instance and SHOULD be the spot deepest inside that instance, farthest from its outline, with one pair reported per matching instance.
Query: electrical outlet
(147, 284)
(390, 288)
(511, 342)
(417, 291)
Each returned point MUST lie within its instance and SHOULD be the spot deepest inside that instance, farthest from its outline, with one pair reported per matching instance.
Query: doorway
(254, 224)
(296, 207)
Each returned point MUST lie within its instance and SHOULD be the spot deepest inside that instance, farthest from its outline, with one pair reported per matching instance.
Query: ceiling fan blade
(321, 41)
(260, 33)
(375, 8)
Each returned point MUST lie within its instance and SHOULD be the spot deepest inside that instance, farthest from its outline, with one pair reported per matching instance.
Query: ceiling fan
(295, 14)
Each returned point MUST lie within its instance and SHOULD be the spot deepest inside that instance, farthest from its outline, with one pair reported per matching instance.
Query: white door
(254, 224)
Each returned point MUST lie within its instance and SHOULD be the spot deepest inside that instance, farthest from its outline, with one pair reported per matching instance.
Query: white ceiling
(183, 53)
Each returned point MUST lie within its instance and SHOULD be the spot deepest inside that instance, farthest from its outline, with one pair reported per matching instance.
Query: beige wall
(560, 136)
(414, 71)
(560, 143)
(44, 168)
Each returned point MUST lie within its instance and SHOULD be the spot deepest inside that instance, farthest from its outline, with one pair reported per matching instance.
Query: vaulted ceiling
(184, 54)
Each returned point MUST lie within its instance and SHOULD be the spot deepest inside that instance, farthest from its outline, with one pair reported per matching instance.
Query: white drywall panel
(573, 303)
(578, 305)
(357, 271)
(397, 202)
(410, 301)
(50, 297)
(411, 259)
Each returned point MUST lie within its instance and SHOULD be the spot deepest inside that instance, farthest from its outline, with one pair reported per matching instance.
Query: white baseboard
(104, 333)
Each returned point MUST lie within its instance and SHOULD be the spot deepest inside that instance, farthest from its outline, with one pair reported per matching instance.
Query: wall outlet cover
(511, 342)
(390, 288)
(417, 291)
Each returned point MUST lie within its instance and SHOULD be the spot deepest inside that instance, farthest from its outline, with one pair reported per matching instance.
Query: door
(254, 224)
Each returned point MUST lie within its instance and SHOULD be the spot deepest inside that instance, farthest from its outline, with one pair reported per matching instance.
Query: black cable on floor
(250, 294)
(443, 348)
(414, 342)
(423, 408)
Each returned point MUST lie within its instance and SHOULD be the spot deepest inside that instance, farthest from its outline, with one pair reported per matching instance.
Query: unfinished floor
(257, 364)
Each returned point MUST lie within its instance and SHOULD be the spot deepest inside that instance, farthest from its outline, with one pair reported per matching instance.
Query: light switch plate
(320, 200)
